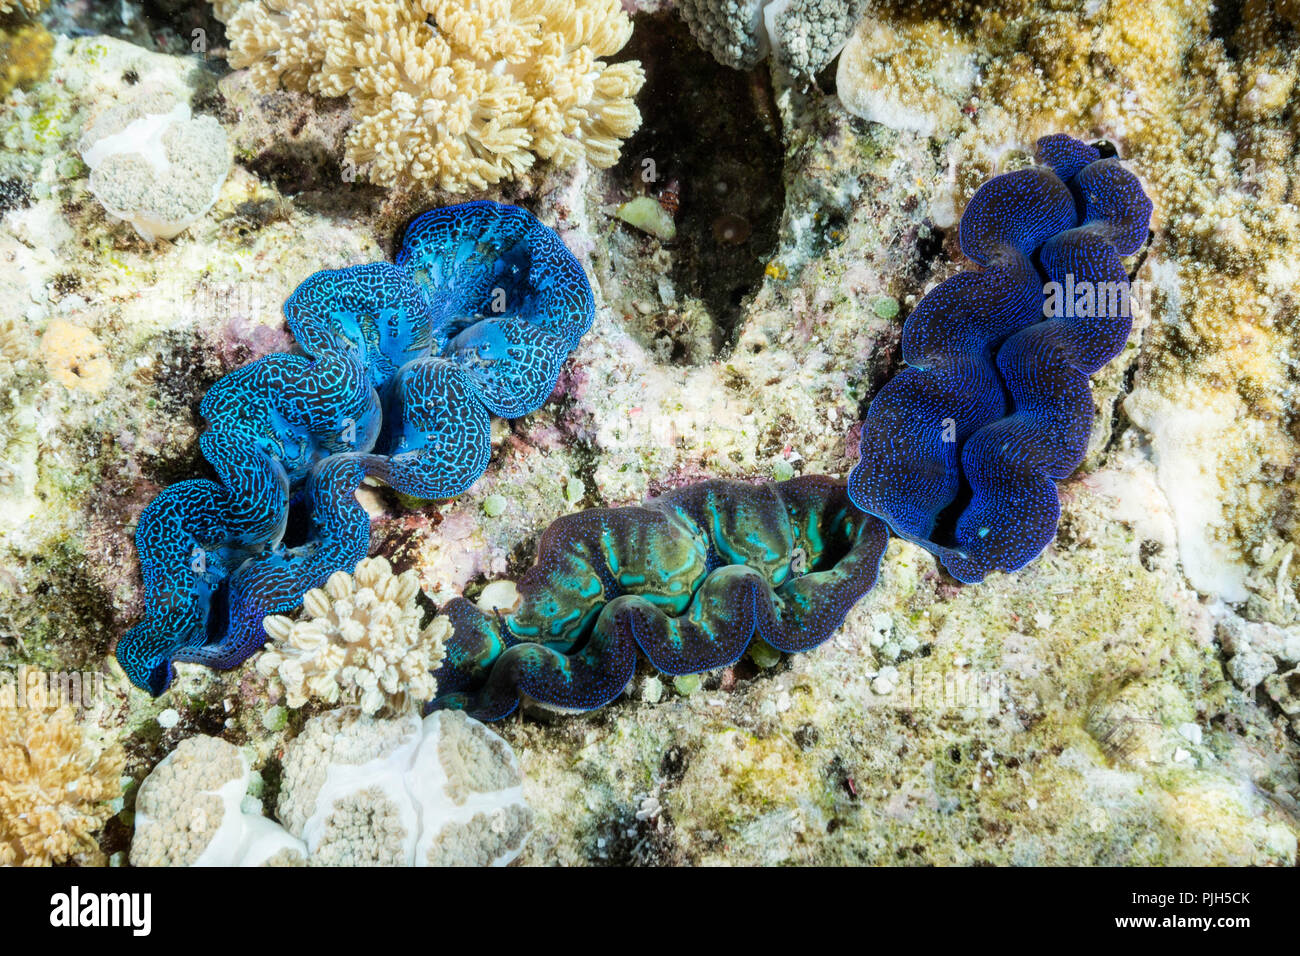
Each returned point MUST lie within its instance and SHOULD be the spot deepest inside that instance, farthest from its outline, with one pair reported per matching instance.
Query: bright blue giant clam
(402, 366)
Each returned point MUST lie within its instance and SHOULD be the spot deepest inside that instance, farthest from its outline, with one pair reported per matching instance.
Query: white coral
(454, 93)
(442, 791)
(360, 642)
(154, 164)
(189, 812)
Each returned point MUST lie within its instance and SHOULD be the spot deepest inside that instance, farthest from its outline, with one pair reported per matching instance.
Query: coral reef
(994, 406)
(457, 94)
(406, 363)
(154, 164)
(56, 788)
(691, 578)
(360, 642)
(190, 812)
(1089, 709)
(444, 791)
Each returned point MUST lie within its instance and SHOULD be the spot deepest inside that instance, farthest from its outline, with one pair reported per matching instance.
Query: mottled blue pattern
(690, 579)
(403, 365)
(961, 450)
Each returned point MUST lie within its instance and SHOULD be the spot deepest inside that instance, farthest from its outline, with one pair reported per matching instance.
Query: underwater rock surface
(1128, 697)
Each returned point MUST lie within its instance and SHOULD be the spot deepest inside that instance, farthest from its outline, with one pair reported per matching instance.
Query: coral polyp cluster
(801, 35)
(442, 791)
(404, 365)
(189, 812)
(154, 165)
(56, 788)
(453, 93)
(360, 642)
(690, 578)
(994, 406)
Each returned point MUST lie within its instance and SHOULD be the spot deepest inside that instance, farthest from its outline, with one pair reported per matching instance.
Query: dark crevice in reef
(1106, 148)
(166, 26)
(929, 248)
(709, 134)
(1225, 18)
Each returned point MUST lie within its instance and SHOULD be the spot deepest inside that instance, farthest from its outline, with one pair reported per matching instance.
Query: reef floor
(1130, 697)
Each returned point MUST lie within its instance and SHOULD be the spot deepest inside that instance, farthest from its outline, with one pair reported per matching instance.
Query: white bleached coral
(801, 35)
(356, 790)
(360, 642)
(154, 164)
(56, 788)
(435, 792)
(189, 813)
(452, 93)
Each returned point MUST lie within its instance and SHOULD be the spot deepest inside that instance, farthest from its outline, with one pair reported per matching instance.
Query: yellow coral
(75, 357)
(28, 6)
(360, 641)
(25, 51)
(55, 788)
(454, 93)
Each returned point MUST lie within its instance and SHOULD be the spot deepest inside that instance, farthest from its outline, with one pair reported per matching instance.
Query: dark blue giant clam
(962, 449)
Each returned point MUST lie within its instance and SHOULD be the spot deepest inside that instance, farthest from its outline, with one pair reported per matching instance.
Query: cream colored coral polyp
(465, 101)
(360, 642)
